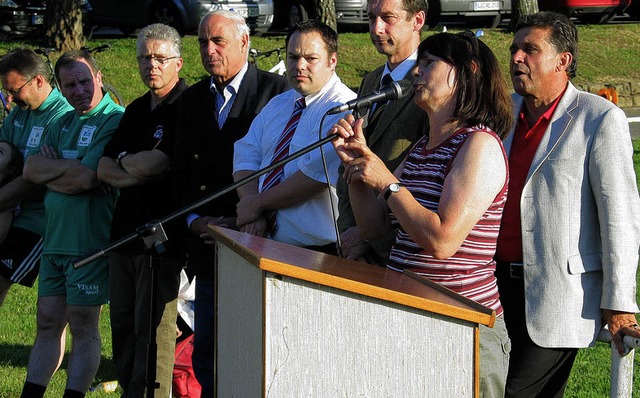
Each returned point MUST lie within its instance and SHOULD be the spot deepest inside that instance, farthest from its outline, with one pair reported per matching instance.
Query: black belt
(513, 270)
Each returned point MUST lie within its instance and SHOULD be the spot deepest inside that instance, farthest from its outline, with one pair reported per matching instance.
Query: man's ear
(565, 60)
(419, 21)
(245, 44)
(99, 78)
(333, 61)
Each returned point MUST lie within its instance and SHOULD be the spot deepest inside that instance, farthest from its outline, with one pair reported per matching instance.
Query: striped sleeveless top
(470, 271)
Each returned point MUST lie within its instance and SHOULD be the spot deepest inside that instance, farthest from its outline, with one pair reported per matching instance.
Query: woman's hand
(360, 163)
(349, 131)
(368, 169)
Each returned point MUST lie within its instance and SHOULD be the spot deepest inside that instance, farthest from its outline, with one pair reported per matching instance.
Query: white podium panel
(323, 342)
(295, 323)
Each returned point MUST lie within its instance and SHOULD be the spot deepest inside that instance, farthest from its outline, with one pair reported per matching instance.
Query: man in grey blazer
(390, 129)
(568, 246)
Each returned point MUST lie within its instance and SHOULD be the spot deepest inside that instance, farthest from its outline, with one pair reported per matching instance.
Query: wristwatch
(392, 188)
(121, 156)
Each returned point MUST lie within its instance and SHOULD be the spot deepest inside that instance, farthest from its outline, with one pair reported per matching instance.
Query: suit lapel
(558, 127)
(369, 85)
(391, 111)
(247, 94)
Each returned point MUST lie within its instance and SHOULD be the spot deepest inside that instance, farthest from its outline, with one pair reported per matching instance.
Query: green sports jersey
(80, 224)
(25, 129)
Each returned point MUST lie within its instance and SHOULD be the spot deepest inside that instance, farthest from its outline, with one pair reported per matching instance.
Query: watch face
(394, 187)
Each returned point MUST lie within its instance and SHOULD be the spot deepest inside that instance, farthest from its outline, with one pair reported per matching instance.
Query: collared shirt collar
(234, 83)
(309, 99)
(226, 98)
(400, 71)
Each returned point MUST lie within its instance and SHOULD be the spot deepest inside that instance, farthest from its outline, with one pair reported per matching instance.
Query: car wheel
(297, 13)
(127, 29)
(590, 18)
(433, 16)
(166, 13)
(484, 22)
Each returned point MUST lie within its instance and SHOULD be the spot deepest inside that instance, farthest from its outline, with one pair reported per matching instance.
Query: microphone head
(403, 87)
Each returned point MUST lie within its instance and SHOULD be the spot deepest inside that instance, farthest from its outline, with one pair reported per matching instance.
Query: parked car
(349, 13)
(25, 18)
(587, 11)
(352, 14)
(184, 15)
(474, 14)
(634, 9)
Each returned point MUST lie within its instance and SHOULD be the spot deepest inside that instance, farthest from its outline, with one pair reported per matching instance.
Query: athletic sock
(31, 390)
(72, 394)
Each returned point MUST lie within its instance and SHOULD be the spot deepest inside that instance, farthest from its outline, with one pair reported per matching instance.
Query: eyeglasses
(152, 58)
(14, 93)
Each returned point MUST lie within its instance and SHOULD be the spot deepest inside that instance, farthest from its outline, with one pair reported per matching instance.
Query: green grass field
(608, 53)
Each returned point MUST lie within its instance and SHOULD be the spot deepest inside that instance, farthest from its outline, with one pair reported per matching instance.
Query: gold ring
(356, 168)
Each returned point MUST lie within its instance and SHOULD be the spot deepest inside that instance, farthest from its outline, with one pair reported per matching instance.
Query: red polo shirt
(525, 143)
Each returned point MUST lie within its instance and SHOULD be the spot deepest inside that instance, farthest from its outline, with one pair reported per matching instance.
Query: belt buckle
(516, 270)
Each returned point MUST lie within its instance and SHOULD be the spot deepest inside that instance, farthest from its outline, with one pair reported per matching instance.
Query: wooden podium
(297, 323)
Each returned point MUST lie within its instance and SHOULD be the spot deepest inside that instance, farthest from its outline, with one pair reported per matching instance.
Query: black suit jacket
(400, 125)
(203, 158)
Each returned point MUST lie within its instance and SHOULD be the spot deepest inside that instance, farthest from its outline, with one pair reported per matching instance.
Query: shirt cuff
(191, 217)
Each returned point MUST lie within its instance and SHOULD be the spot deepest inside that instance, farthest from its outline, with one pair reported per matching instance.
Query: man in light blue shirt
(299, 208)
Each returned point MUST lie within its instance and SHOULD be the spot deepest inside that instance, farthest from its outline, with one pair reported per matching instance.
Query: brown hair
(482, 97)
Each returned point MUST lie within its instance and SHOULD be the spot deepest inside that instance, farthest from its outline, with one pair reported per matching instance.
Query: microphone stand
(149, 230)
(154, 238)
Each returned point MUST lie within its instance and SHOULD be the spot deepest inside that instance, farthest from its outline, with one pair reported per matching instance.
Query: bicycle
(279, 68)
(107, 88)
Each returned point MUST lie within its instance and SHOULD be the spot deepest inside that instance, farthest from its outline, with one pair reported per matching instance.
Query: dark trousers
(204, 336)
(534, 371)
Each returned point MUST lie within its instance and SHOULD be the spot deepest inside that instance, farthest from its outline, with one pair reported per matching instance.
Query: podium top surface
(369, 280)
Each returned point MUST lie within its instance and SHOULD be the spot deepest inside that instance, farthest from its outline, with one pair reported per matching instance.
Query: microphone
(391, 91)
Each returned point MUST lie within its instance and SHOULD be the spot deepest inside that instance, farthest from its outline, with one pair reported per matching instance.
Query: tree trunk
(521, 7)
(326, 12)
(63, 25)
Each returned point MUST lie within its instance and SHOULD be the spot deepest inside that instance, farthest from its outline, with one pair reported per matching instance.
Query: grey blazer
(580, 215)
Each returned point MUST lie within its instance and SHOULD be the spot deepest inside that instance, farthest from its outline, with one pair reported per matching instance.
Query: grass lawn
(609, 53)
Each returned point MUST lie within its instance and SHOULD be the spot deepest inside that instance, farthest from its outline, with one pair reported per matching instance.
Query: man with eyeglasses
(137, 161)
(214, 114)
(78, 213)
(25, 81)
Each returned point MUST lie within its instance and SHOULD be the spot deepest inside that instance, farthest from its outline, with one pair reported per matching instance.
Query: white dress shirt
(310, 223)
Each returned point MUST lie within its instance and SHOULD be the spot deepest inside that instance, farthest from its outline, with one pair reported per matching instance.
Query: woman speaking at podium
(446, 198)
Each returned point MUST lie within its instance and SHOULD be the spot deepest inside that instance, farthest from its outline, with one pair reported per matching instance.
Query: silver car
(184, 15)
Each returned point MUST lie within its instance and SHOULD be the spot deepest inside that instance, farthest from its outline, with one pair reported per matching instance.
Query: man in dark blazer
(213, 114)
(392, 128)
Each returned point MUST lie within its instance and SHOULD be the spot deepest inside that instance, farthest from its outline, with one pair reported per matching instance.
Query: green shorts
(88, 285)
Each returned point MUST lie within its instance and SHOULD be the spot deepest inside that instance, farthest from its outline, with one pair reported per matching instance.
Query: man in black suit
(390, 129)
(214, 113)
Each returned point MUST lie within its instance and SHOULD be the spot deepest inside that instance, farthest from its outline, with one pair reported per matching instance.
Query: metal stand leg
(621, 366)
(154, 238)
